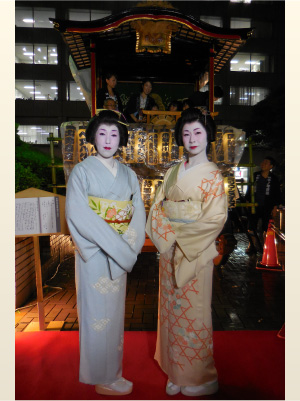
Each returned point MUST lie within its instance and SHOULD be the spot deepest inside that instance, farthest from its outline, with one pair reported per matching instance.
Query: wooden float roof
(115, 43)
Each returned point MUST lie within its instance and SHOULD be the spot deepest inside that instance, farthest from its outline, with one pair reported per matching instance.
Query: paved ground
(244, 298)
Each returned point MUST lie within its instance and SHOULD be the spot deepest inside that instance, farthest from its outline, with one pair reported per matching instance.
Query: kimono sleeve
(135, 234)
(89, 231)
(194, 238)
(159, 227)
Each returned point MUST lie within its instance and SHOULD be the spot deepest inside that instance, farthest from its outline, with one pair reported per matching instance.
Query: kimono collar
(107, 182)
(188, 180)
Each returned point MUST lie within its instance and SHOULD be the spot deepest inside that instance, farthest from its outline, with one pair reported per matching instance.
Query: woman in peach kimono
(188, 213)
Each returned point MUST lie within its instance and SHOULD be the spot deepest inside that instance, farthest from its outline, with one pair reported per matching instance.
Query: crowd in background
(109, 98)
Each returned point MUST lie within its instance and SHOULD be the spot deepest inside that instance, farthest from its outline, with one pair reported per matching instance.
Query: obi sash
(182, 211)
(117, 214)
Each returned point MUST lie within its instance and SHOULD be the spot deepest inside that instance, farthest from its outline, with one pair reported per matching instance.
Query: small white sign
(37, 215)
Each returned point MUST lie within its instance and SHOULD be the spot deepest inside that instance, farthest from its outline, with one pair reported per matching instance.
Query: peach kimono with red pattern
(186, 217)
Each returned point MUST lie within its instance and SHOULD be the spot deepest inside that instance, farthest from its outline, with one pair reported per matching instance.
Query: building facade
(47, 95)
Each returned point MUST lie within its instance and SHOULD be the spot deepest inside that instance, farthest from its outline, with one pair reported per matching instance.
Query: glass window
(24, 53)
(34, 17)
(36, 54)
(240, 23)
(98, 14)
(74, 92)
(87, 15)
(250, 62)
(246, 96)
(240, 1)
(37, 133)
(36, 90)
(217, 21)
(24, 17)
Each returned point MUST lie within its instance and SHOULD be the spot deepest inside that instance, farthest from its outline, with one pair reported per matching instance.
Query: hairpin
(118, 113)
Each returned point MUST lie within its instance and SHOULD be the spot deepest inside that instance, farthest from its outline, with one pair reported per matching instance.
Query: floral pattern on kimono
(186, 217)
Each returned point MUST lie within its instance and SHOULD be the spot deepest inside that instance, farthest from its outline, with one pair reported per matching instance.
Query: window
(240, 1)
(250, 62)
(87, 15)
(37, 133)
(217, 21)
(240, 23)
(36, 54)
(243, 96)
(74, 92)
(36, 90)
(34, 17)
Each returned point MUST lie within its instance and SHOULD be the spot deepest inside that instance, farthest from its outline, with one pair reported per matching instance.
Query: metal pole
(211, 80)
(251, 174)
(93, 78)
(53, 168)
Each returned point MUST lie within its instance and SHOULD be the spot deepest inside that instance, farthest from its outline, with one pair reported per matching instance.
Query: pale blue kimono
(102, 259)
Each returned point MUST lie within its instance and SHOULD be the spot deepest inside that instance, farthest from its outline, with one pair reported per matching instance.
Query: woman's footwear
(172, 389)
(205, 389)
(119, 387)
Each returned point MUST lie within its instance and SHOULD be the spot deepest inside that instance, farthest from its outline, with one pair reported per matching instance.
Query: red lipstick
(107, 148)
(193, 147)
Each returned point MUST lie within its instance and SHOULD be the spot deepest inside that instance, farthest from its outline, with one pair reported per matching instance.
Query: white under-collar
(113, 169)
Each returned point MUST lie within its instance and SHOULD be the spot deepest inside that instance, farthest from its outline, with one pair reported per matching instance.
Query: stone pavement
(244, 298)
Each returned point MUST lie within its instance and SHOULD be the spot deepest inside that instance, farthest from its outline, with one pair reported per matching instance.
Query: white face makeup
(107, 140)
(194, 138)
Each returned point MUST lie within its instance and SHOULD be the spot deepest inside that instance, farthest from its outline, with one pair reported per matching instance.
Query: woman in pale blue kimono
(188, 213)
(106, 218)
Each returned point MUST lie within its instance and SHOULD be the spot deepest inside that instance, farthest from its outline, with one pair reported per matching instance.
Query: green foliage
(25, 178)
(31, 168)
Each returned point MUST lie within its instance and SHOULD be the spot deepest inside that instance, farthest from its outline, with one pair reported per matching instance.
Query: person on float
(188, 213)
(139, 102)
(109, 92)
(106, 217)
(110, 104)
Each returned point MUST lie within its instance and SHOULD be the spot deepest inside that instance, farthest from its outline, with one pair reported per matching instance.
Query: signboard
(37, 215)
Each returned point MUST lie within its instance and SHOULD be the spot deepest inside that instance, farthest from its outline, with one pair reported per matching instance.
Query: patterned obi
(182, 211)
(117, 214)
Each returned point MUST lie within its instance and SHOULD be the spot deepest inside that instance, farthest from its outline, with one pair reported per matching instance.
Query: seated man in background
(201, 99)
(186, 104)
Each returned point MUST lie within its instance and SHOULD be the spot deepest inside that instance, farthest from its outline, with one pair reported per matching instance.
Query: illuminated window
(87, 15)
(240, 1)
(34, 17)
(250, 62)
(240, 23)
(247, 96)
(36, 90)
(217, 21)
(36, 54)
(74, 92)
(36, 133)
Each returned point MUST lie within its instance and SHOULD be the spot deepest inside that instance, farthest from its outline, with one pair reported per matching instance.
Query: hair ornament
(118, 113)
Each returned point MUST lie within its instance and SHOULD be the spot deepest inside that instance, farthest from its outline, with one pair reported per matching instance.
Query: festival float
(151, 40)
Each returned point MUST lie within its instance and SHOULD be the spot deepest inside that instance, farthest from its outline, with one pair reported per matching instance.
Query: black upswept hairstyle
(189, 116)
(108, 117)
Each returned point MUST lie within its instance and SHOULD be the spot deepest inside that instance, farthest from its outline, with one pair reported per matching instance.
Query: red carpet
(250, 366)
